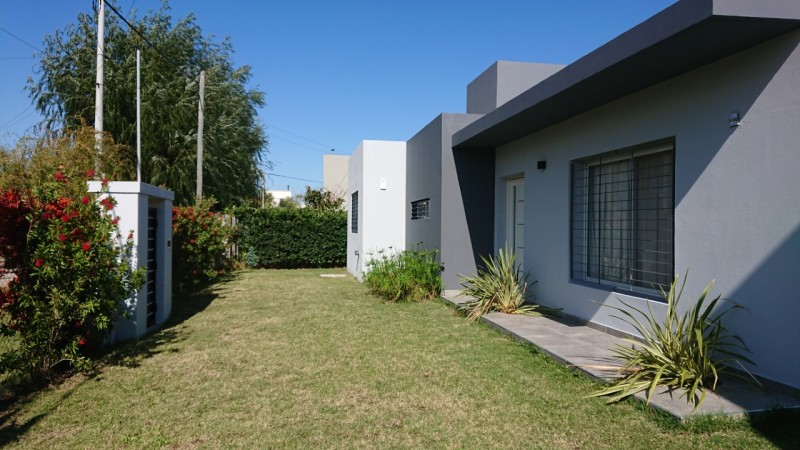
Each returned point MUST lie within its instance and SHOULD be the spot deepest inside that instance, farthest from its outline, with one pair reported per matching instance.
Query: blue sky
(339, 72)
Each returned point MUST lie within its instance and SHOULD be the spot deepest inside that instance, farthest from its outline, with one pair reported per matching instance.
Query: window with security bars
(623, 211)
(354, 212)
(420, 209)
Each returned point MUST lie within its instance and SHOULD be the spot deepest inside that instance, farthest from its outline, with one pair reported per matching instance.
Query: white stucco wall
(737, 194)
(133, 200)
(378, 172)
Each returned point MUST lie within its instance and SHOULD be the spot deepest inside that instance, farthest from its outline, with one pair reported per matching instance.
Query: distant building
(334, 175)
(278, 195)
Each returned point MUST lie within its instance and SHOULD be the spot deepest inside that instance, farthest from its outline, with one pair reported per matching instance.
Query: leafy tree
(288, 202)
(322, 199)
(234, 139)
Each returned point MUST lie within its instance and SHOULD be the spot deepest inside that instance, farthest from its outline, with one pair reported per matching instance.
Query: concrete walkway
(588, 350)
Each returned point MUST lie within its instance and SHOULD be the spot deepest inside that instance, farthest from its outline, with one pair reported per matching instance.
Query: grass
(277, 359)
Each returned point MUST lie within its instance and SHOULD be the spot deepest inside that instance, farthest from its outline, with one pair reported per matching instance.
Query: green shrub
(410, 275)
(501, 286)
(199, 237)
(72, 271)
(686, 352)
(292, 237)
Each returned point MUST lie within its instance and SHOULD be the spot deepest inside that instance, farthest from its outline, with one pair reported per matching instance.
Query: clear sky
(338, 72)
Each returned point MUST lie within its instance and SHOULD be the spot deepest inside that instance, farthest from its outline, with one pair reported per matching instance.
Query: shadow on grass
(185, 305)
(16, 392)
(12, 426)
(780, 426)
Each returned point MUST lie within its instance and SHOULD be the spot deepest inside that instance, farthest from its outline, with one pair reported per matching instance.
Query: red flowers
(85, 200)
(90, 173)
(130, 235)
(39, 263)
(107, 202)
(62, 237)
(60, 176)
(191, 241)
(86, 246)
(105, 182)
(65, 218)
(82, 341)
(115, 220)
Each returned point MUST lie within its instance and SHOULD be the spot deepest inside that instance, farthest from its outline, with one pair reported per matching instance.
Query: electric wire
(327, 147)
(292, 178)
(20, 39)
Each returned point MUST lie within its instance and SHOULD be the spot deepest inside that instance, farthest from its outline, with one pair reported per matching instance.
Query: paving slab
(587, 349)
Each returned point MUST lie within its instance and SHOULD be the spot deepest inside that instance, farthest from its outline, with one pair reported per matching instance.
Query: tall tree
(235, 142)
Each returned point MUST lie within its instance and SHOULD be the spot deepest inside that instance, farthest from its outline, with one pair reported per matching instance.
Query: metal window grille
(354, 212)
(622, 220)
(420, 209)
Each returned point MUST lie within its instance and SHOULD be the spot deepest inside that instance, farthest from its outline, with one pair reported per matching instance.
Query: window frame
(416, 206)
(582, 276)
(354, 212)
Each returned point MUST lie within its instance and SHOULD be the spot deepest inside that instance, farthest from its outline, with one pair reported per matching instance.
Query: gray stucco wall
(466, 225)
(355, 183)
(737, 194)
(503, 81)
(424, 180)
(432, 173)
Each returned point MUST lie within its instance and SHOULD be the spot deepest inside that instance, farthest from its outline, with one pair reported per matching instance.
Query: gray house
(673, 147)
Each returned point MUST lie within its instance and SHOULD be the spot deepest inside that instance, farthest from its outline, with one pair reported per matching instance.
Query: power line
(292, 178)
(19, 39)
(327, 147)
(158, 52)
(298, 144)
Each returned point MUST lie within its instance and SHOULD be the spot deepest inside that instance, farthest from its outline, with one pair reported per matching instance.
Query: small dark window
(420, 209)
(354, 212)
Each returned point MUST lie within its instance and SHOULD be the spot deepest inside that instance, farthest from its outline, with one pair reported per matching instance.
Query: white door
(515, 234)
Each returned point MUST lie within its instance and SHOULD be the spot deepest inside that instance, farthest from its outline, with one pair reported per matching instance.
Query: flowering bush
(71, 272)
(200, 236)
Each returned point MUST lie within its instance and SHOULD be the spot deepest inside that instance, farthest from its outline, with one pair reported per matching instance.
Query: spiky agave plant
(686, 352)
(501, 286)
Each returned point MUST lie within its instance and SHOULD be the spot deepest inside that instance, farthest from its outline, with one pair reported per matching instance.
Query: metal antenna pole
(98, 97)
(200, 107)
(138, 116)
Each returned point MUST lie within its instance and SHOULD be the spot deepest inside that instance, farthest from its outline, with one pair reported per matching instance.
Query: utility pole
(98, 93)
(200, 107)
(138, 116)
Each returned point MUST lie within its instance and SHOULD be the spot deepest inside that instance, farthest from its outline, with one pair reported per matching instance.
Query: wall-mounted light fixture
(541, 165)
(734, 120)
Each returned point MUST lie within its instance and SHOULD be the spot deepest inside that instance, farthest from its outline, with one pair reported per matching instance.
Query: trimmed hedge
(292, 238)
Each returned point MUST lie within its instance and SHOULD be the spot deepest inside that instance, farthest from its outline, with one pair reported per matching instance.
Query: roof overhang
(683, 37)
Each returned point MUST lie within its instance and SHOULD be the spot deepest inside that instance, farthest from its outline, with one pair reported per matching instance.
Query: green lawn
(275, 359)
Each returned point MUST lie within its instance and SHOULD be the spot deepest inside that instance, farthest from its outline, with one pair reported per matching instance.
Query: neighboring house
(334, 175)
(437, 177)
(377, 191)
(278, 195)
(674, 147)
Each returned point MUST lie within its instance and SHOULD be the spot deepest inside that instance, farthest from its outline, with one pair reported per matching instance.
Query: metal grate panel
(622, 219)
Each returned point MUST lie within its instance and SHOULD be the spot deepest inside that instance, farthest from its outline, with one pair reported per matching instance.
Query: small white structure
(145, 211)
(278, 195)
(377, 196)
